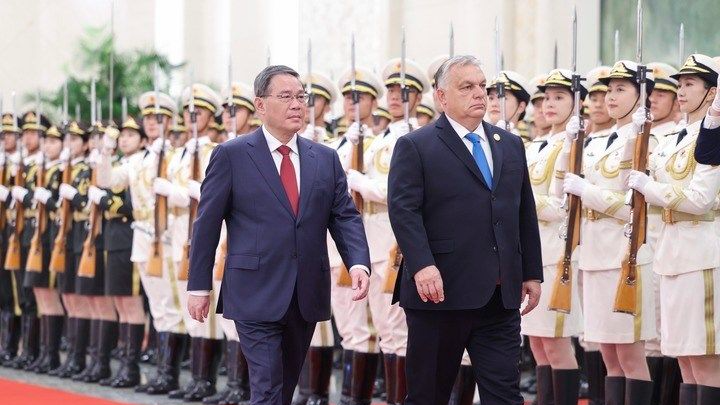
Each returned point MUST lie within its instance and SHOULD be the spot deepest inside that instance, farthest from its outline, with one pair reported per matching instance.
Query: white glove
(191, 145)
(353, 132)
(2, 159)
(64, 155)
(19, 193)
(96, 194)
(357, 181)
(639, 117)
(194, 189)
(67, 191)
(94, 158)
(400, 128)
(4, 192)
(573, 127)
(313, 133)
(108, 142)
(41, 195)
(574, 184)
(638, 180)
(162, 186)
(157, 146)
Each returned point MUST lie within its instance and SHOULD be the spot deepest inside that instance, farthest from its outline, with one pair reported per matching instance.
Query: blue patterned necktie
(480, 158)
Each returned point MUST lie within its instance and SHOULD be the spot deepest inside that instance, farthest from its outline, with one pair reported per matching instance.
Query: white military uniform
(389, 319)
(178, 173)
(162, 292)
(687, 256)
(543, 322)
(352, 318)
(603, 247)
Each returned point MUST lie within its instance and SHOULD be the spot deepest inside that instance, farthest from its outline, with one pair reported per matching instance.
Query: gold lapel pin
(497, 137)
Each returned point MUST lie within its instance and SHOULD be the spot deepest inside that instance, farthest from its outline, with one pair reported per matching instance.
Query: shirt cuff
(360, 266)
(199, 293)
(711, 121)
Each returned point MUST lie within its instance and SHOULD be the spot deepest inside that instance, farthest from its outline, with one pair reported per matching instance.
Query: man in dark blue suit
(463, 213)
(278, 194)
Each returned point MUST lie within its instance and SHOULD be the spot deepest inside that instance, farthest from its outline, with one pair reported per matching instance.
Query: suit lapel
(496, 148)
(308, 170)
(448, 135)
(260, 155)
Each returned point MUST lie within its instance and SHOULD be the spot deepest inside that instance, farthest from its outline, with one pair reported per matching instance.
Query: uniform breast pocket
(242, 262)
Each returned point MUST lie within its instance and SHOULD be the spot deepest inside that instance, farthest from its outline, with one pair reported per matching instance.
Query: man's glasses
(286, 98)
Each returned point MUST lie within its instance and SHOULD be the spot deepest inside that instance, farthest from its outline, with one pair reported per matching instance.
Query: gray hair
(441, 76)
(262, 81)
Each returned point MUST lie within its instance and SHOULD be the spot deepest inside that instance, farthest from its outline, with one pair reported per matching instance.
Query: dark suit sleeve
(529, 232)
(707, 150)
(405, 200)
(346, 225)
(214, 204)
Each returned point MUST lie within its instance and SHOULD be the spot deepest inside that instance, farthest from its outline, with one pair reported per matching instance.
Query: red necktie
(287, 176)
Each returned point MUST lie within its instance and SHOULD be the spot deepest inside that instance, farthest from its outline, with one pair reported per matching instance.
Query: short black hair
(262, 81)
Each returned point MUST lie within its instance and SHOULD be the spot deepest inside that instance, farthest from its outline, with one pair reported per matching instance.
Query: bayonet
(353, 85)
(232, 108)
(403, 87)
(617, 45)
(681, 45)
(308, 90)
(499, 84)
(123, 109)
(111, 89)
(452, 41)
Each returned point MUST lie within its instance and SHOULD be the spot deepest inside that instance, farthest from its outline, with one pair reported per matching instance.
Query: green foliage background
(132, 76)
(662, 20)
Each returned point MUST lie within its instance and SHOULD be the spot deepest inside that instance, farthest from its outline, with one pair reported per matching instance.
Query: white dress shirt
(480, 131)
(273, 145)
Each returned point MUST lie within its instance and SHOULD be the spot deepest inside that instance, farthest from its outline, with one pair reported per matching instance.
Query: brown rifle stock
(155, 261)
(184, 271)
(396, 258)
(344, 279)
(626, 297)
(561, 296)
(219, 269)
(12, 258)
(88, 260)
(57, 257)
(35, 255)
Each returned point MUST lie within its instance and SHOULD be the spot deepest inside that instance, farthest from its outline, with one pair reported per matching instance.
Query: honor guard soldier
(159, 283)
(242, 100)
(324, 93)
(10, 283)
(32, 128)
(381, 117)
(549, 331)
(621, 336)
(426, 110)
(539, 128)
(122, 279)
(178, 133)
(72, 225)
(517, 99)
(664, 106)
(687, 254)
(45, 184)
(201, 105)
(389, 320)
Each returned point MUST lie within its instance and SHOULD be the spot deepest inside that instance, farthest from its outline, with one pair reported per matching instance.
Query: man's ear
(259, 105)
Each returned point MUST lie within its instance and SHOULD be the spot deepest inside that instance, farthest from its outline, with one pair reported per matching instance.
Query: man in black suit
(463, 213)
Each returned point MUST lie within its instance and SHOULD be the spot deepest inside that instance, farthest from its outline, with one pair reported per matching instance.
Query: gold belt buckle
(667, 216)
(591, 215)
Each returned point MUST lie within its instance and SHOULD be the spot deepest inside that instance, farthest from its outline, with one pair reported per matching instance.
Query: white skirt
(542, 322)
(690, 313)
(602, 324)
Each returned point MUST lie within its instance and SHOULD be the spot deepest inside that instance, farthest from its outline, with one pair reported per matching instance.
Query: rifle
(155, 261)
(88, 260)
(3, 173)
(57, 257)
(219, 268)
(184, 270)
(561, 297)
(35, 255)
(626, 297)
(308, 86)
(13, 260)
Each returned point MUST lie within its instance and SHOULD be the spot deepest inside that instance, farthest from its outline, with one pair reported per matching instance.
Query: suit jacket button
(294, 255)
(493, 197)
(495, 248)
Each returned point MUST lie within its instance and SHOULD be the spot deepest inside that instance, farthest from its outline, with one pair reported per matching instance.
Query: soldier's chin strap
(632, 108)
(702, 101)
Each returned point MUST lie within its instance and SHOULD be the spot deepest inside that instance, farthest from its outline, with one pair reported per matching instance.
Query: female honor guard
(77, 306)
(32, 128)
(40, 279)
(550, 331)
(687, 256)
(603, 244)
(517, 99)
(122, 278)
